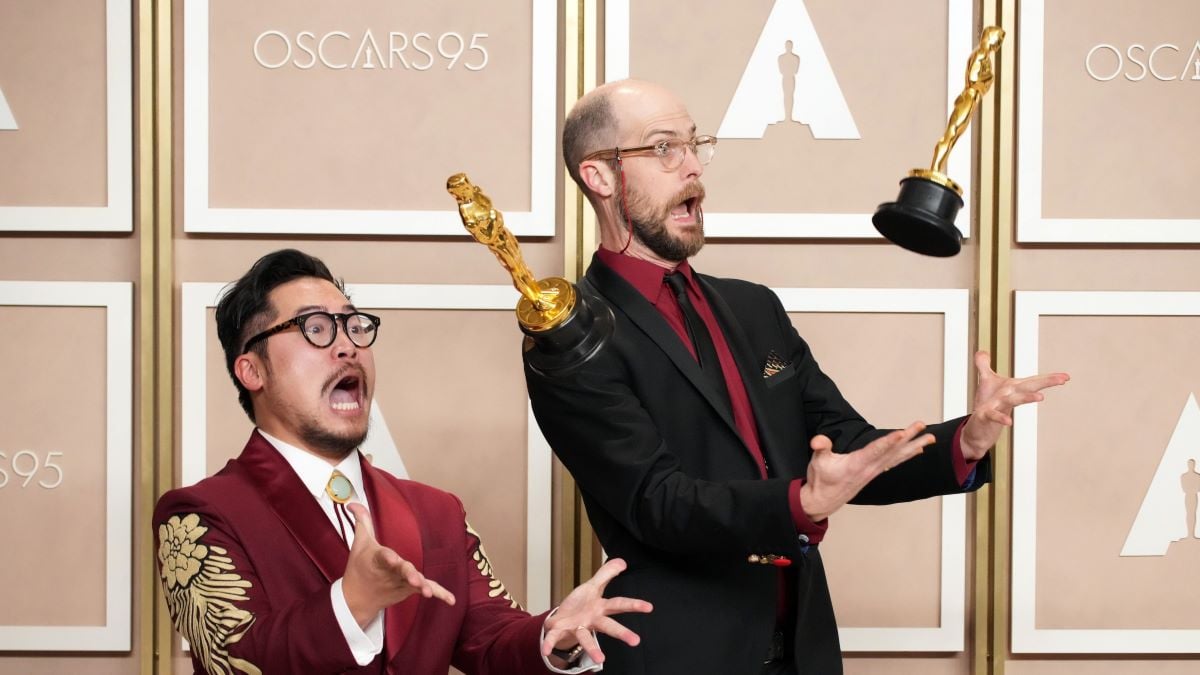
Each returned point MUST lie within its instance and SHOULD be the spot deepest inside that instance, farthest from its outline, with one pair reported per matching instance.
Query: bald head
(611, 115)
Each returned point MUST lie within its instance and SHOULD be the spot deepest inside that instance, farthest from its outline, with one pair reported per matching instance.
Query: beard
(648, 221)
(328, 442)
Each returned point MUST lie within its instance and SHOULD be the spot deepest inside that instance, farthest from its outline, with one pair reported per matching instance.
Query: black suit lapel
(624, 297)
(751, 372)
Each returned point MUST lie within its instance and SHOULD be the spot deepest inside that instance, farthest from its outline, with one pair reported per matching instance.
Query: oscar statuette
(563, 327)
(922, 217)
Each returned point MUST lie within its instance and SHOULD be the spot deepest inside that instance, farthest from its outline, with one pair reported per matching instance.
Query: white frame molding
(954, 305)
(117, 215)
(200, 217)
(823, 225)
(199, 296)
(1027, 638)
(116, 297)
(1031, 225)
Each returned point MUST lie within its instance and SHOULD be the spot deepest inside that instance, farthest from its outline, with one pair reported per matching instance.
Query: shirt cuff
(964, 471)
(365, 644)
(585, 664)
(810, 532)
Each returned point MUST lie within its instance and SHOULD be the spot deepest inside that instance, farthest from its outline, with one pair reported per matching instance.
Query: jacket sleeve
(498, 637)
(218, 605)
(608, 441)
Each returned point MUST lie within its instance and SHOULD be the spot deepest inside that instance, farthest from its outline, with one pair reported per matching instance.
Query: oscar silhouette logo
(563, 327)
(922, 217)
(7, 121)
(1166, 521)
(801, 72)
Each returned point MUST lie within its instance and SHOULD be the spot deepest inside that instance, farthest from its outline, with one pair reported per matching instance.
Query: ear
(250, 371)
(598, 176)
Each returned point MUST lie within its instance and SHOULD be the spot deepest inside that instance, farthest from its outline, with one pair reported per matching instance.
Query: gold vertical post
(162, 240)
(565, 535)
(144, 225)
(580, 63)
(992, 503)
(982, 652)
(589, 237)
(1002, 355)
(588, 546)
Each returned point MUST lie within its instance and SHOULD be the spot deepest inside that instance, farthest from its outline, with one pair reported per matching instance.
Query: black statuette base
(922, 218)
(560, 350)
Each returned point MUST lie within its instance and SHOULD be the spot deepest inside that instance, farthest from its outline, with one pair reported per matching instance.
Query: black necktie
(706, 353)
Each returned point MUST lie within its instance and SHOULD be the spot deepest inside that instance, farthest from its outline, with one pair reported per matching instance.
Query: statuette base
(922, 217)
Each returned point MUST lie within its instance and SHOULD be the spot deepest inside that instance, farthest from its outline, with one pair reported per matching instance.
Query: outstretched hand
(586, 610)
(377, 577)
(995, 398)
(834, 478)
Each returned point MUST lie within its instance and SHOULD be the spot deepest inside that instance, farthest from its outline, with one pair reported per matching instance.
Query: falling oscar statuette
(922, 217)
(563, 327)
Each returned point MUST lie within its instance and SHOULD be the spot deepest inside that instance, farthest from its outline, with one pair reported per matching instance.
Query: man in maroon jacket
(300, 557)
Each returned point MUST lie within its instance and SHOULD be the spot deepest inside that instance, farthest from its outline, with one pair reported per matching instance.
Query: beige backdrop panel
(54, 538)
(1120, 422)
(894, 83)
(52, 73)
(359, 137)
(1126, 147)
(884, 564)
(69, 373)
(1022, 666)
(1099, 448)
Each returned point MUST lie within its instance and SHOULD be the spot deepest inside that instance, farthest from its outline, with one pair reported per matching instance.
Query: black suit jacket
(670, 486)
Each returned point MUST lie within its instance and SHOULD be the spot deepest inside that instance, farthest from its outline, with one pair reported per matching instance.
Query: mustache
(343, 372)
(694, 189)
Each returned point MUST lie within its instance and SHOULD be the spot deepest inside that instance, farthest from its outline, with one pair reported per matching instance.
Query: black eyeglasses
(670, 152)
(320, 329)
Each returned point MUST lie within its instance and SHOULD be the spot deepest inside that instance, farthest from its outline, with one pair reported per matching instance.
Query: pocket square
(775, 363)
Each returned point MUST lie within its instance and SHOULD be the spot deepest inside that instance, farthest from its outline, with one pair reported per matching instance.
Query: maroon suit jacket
(247, 558)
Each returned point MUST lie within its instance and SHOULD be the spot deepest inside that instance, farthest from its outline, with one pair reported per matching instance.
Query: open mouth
(687, 207)
(347, 394)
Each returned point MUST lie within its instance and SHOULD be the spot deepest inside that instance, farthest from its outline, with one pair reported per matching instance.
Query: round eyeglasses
(670, 151)
(320, 329)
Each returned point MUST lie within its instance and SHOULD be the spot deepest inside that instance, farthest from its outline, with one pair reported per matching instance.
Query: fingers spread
(615, 630)
(821, 443)
(1039, 382)
(386, 559)
(363, 526)
(622, 605)
(607, 572)
(589, 643)
(439, 592)
(898, 438)
(909, 450)
(415, 579)
(983, 363)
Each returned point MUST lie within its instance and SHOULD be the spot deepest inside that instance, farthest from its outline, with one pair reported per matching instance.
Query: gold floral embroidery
(485, 568)
(201, 586)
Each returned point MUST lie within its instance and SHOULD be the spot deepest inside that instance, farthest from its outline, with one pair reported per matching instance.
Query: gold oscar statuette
(563, 327)
(922, 217)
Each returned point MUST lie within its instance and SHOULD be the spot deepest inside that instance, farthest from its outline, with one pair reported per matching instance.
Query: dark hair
(244, 309)
(589, 127)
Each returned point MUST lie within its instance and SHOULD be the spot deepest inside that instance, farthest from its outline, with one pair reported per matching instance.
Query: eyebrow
(347, 308)
(667, 132)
